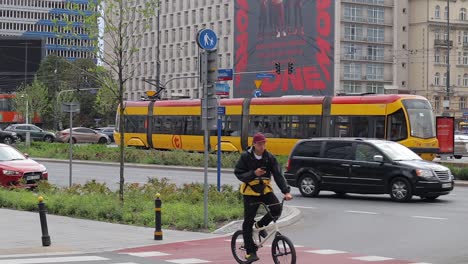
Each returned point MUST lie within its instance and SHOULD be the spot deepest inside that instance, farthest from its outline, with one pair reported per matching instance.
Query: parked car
(461, 146)
(82, 135)
(8, 137)
(366, 166)
(18, 170)
(36, 133)
(109, 131)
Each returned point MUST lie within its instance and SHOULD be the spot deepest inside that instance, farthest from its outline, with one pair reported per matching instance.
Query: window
(377, 88)
(365, 152)
(308, 149)
(436, 56)
(436, 103)
(397, 126)
(352, 87)
(338, 150)
(437, 12)
(375, 34)
(465, 58)
(465, 80)
(352, 51)
(446, 11)
(463, 14)
(375, 14)
(437, 79)
(353, 13)
(375, 52)
(352, 71)
(353, 32)
(444, 79)
(375, 72)
(462, 103)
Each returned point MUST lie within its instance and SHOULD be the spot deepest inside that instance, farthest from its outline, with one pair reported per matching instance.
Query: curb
(291, 216)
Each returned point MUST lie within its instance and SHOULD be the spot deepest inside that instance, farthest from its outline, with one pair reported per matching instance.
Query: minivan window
(366, 152)
(338, 150)
(308, 149)
(396, 151)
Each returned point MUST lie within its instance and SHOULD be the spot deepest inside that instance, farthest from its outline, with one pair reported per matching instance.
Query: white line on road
(326, 251)
(45, 254)
(361, 212)
(51, 260)
(302, 207)
(147, 254)
(429, 217)
(372, 258)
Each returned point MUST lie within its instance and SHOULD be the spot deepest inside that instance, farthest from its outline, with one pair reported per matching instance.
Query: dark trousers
(250, 211)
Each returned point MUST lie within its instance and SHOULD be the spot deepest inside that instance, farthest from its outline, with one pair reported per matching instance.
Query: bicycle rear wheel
(237, 247)
(283, 251)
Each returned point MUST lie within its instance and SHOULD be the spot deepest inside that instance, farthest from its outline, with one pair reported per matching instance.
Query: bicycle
(282, 248)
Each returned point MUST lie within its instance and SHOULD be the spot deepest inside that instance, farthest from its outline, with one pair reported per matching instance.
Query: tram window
(379, 124)
(359, 126)
(177, 125)
(135, 124)
(342, 126)
(275, 126)
(397, 126)
(232, 125)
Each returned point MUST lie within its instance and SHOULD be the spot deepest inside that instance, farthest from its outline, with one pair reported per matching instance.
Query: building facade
(39, 19)
(371, 40)
(436, 51)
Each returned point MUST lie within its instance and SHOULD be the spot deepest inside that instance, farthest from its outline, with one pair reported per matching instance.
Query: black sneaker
(263, 233)
(251, 257)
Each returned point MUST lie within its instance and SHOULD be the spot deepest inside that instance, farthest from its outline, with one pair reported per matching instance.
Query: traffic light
(278, 68)
(290, 68)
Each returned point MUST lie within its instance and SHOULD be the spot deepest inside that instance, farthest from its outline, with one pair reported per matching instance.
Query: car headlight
(11, 173)
(424, 173)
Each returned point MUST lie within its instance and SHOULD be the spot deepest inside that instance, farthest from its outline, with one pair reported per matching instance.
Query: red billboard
(298, 33)
(445, 134)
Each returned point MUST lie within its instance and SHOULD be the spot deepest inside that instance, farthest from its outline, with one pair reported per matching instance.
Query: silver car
(461, 146)
(82, 135)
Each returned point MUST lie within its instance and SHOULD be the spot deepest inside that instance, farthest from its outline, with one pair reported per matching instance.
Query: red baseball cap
(259, 137)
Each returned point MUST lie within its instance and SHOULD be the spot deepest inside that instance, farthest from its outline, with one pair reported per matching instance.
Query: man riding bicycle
(254, 168)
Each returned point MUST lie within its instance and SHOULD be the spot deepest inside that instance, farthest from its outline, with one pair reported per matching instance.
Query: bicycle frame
(256, 231)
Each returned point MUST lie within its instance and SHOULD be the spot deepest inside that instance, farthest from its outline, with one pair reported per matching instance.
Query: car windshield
(9, 153)
(396, 151)
(421, 117)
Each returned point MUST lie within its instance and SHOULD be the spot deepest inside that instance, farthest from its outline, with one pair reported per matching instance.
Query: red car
(18, 170)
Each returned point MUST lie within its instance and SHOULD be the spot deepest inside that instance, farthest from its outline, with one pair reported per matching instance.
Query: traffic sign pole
(207, 40)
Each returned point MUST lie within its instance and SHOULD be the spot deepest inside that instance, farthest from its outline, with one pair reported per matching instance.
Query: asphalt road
(419, 231)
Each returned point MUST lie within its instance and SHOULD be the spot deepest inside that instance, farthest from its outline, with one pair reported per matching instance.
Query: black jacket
(247, 164)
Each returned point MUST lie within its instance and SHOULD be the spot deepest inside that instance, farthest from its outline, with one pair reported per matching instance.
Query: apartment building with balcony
(371, 38)
(429, 44)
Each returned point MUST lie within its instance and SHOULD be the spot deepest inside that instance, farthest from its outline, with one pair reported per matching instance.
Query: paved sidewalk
(21, 234)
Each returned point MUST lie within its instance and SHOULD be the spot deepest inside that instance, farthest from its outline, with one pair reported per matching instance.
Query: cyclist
(254, 168)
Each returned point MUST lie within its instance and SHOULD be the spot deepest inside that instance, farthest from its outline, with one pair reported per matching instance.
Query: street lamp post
(447, 101)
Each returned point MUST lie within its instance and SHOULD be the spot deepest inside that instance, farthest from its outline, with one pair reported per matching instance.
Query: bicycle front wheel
(283, 251)
(237, 247)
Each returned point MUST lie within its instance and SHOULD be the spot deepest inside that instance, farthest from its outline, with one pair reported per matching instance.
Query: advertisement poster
(445, 134)
(295, 32)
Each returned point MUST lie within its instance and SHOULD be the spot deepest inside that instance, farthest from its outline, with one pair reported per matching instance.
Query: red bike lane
(218, 250)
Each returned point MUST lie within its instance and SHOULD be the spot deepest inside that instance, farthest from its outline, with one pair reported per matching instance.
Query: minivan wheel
(308, 185)
(8, 140)
(400, 190)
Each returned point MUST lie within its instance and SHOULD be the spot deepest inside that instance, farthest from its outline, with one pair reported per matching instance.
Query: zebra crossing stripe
(326, 251)
(188, 261)
(371, 258)
(147, 254)
(52, 260)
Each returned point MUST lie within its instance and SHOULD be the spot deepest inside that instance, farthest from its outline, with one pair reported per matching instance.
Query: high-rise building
(430, 60)
(39, 19)
(32, 29)
(371, 41)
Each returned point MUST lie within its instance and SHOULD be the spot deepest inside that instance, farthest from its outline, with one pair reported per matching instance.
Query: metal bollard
(158, 234)
(42, 216)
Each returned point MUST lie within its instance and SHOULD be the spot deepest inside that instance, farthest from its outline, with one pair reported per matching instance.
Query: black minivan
(366, 166)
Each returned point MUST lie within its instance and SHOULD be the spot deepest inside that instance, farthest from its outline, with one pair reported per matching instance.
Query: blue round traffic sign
(257, 93)
(207, 39)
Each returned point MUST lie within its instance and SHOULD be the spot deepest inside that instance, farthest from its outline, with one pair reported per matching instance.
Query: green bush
(182, 207)
(459, 172)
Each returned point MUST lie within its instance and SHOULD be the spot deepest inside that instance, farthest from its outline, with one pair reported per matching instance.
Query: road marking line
(147, 254)
(421, 263)
(429, 217)
(40, 254)
(52, 260)
(188, 261)
(302, 207)
(125, 263)
(326, 251)
(372, 258)
(361, 212)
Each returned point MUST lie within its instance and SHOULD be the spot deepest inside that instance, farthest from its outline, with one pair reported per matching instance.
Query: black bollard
(158, 235)
(42, 216)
